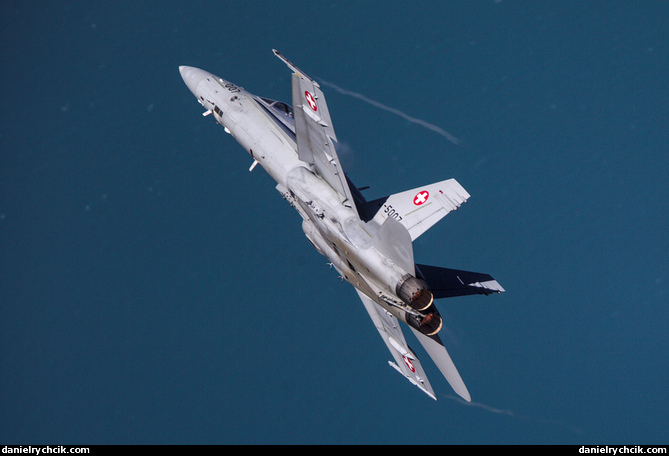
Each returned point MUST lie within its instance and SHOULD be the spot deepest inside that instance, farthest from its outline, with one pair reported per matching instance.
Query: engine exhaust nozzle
(414, 292)
(431, 324)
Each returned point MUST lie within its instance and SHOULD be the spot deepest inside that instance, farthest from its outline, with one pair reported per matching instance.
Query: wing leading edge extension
(316, 139)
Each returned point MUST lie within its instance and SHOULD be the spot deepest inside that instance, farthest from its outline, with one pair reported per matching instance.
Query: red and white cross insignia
(310, 100)
(409, 364)
(421, 197)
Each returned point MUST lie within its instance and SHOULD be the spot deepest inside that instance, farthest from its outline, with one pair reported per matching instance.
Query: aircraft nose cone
(192, 77)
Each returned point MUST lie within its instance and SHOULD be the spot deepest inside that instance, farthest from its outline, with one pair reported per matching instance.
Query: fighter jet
(369, 243)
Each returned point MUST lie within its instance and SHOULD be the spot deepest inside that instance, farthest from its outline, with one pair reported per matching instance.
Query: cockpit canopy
(280, 107)
(281, 112)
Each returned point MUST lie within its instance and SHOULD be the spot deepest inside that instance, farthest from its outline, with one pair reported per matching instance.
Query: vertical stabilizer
(420, 208)
(394, 241)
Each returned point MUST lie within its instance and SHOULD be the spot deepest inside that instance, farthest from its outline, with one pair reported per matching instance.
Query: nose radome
(192, 77)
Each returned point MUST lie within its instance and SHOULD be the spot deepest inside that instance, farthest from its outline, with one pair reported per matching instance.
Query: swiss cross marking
(421, 197)
(409, 364)
(310, 100)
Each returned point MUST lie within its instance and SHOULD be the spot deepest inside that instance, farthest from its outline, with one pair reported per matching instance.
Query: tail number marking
(391, 212)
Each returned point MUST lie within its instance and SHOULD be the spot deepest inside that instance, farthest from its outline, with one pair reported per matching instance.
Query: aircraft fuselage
(334, 229)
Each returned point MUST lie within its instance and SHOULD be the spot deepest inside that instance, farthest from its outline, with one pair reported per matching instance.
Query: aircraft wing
(316, 139)
(406, 361)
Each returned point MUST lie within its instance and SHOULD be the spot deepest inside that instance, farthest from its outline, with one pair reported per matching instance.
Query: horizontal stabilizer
(447, 283)
(435, 348)
(406, 362)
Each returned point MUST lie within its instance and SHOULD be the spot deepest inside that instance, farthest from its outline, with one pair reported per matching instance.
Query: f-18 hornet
(369, 243)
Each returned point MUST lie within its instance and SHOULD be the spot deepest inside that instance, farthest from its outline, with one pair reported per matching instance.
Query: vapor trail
(483, 406)
(397, 112)
(508, 412)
